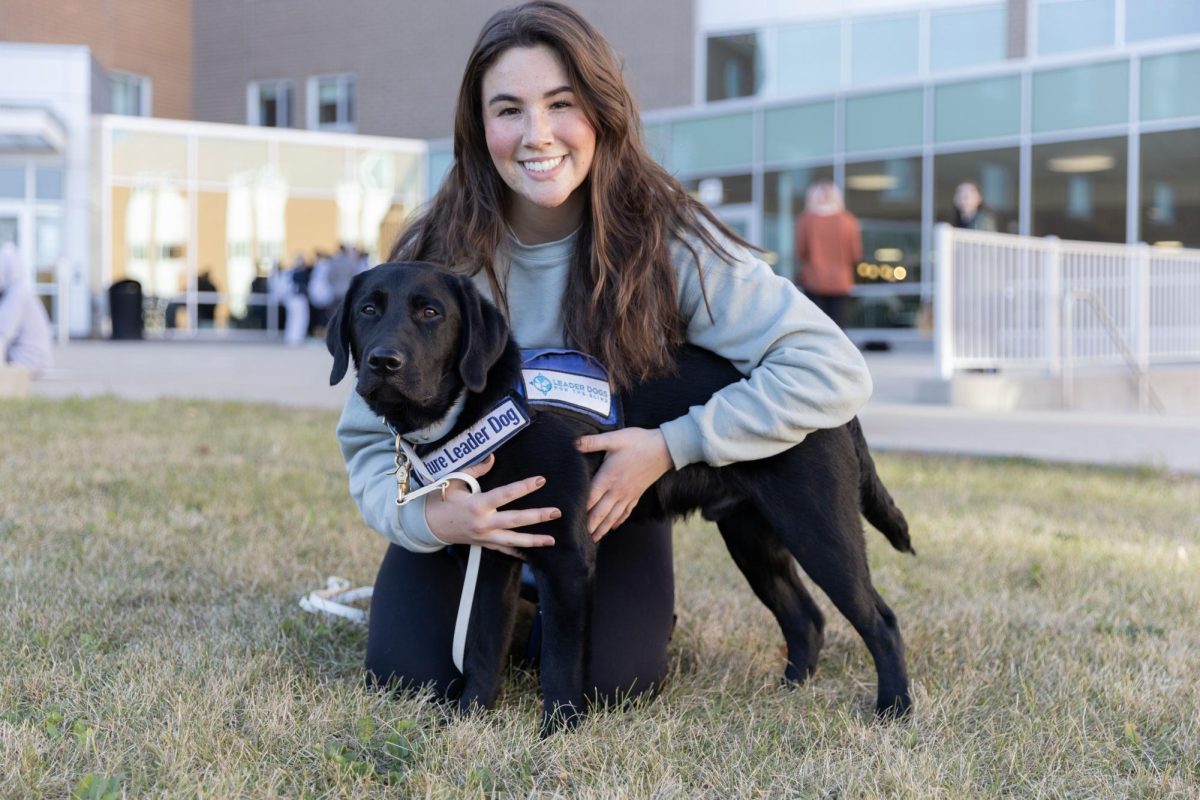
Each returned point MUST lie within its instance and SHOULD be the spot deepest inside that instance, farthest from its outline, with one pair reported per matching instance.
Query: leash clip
(403, 473)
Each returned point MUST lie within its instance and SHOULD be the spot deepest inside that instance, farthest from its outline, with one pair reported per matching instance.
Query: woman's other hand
(477, 519)
(634, 459)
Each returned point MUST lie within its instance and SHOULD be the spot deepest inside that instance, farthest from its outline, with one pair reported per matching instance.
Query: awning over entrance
(30, 130)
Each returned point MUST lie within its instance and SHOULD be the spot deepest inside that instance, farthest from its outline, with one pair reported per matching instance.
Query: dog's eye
(429, 312)
(368, 310)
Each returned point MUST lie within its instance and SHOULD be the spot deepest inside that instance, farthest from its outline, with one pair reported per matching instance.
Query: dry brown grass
(151, 556)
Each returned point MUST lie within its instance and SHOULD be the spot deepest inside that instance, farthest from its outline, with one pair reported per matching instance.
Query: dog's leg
(831, 549)
(564, 592)
(771, 572)
(490, 631)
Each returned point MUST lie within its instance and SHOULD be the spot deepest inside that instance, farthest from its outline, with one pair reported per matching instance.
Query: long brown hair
(620, 302)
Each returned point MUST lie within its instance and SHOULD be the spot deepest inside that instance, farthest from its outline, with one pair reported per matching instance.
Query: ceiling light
(1095, 162)
(877, 182)
(889, 254)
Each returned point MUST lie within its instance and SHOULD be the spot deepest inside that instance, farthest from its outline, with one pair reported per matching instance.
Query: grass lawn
(151, 557)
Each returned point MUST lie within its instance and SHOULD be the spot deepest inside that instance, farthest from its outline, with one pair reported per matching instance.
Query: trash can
(125, 309)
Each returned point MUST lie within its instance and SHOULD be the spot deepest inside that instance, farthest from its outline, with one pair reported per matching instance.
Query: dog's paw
(895, 708)
(560, 717)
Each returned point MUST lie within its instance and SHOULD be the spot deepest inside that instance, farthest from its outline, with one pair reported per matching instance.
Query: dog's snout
(385, 359)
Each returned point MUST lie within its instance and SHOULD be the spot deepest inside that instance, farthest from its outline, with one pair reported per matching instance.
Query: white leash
(337, 595)
(335, 599)
(467, 599)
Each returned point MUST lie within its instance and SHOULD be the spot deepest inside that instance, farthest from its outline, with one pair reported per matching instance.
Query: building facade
(1076, 118)
(194, 147)
(390, 68)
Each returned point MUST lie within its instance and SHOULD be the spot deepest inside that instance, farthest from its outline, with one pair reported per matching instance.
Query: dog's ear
(484, 334)
(337, 332)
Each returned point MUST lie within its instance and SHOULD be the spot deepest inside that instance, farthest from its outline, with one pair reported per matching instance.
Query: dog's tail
(877, 504)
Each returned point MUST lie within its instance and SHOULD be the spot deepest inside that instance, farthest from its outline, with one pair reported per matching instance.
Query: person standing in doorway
(828, 245)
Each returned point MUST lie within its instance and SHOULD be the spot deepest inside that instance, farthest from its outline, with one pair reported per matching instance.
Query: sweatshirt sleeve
(368, 449)
(802, 373)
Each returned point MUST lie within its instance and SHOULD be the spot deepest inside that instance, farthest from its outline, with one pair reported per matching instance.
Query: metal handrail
(1146, 393)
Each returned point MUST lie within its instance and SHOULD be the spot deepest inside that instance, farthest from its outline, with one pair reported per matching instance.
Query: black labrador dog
(420, 337)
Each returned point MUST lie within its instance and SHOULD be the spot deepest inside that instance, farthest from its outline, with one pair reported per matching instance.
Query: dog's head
(417, 335)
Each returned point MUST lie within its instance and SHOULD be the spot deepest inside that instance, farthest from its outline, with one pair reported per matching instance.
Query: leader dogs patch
(572, 381)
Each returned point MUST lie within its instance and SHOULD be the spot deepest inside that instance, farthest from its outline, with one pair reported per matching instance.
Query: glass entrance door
(9, 228)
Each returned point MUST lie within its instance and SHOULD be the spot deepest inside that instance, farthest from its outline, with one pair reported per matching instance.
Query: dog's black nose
(384, 359)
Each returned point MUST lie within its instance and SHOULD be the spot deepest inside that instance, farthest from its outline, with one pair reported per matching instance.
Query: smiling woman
(558, 214)
(540, 141)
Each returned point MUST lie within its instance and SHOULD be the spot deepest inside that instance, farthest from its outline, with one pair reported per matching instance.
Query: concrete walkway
(893, 420)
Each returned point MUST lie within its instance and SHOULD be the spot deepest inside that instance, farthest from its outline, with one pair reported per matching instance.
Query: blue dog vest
(567, 381)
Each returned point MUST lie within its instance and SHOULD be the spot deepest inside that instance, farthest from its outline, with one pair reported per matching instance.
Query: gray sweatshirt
(802, 373)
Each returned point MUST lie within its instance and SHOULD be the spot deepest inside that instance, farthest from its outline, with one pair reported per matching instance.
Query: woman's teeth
(542, 166)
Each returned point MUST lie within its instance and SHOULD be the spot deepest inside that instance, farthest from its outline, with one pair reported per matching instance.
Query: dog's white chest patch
(474, 443)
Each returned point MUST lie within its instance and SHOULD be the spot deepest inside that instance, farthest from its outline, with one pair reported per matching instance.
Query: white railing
(1007, 301)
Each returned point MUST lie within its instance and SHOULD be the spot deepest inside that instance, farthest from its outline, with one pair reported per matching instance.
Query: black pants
(834, 306)
(416, 601)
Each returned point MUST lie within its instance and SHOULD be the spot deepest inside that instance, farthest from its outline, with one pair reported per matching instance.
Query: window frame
(145, 89)
(284, 89)
(347, 102)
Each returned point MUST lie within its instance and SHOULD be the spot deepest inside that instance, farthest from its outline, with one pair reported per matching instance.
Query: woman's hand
(465, 518)
(635, 458)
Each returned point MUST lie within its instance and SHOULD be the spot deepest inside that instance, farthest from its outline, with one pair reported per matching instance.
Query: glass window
(977, 109)
(720, 191)
(9, 228)
(312, 167)
(138, 154)
(655, 137)
(130, 94)
(967, 37)
(271, 104)
(1161, 18)
(783, 201)
(884, 120)
(48, 183)
(712, 143)
(1169, 85)
(1079, 190)
(440, 162)
(886, 197)
(810, 58)
(12, 181)
(1064, 26)
(47, 236)
(734, 66)
(1170, 190)
(996, 173)
(883, 48)
(798, 132)
(1081, 97)
(332, 102)
(218, 160)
